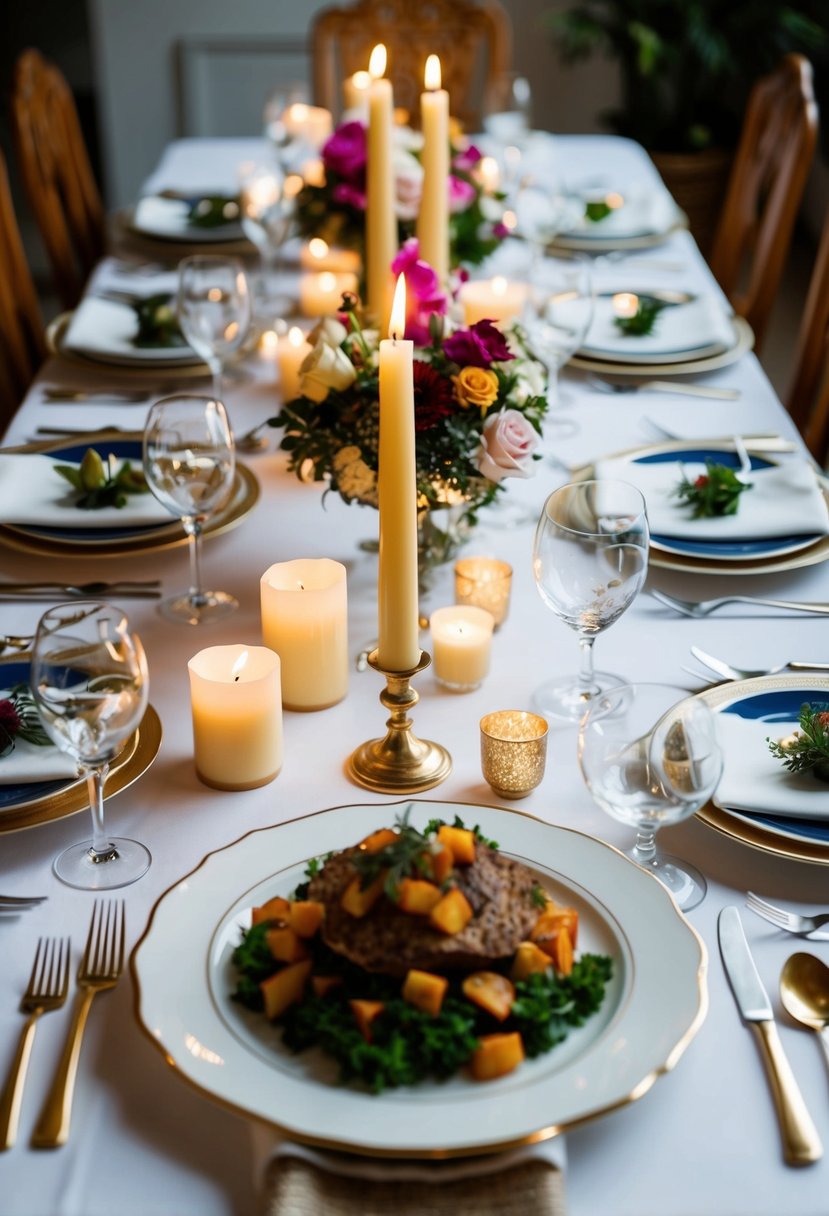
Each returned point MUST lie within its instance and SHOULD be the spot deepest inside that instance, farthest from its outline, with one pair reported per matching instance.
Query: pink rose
(507, 445)
(461, 194)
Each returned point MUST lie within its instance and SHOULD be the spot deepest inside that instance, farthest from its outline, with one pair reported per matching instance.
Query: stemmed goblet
(590, 559)
(267, 214)
(649, 755)
(89, 682)
(214, 309)
(189, 464)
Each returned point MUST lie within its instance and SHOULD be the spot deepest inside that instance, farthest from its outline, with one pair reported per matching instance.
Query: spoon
(804, 991)
(252, 440)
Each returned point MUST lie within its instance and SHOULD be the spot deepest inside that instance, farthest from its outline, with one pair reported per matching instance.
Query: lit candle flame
(625, 304)
(298, 112)
(397, 320)
(318, 248)
(268, 342)
(431, 77)
(295, 336)
(327, 282)
(238, 666)
(377, 62)
(361, 80)
(489, 172)
(510, 220)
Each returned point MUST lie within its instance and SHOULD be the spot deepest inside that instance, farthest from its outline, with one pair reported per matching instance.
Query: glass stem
(193, 529)
(644, 850)
(102, 848)
(218, 383)
(586, 678)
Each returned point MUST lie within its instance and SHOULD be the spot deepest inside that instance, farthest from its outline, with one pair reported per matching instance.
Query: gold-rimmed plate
(179, 244)
(108, 542)
(743, 343)
(141, 369)
(574, 242)
(654, 1004)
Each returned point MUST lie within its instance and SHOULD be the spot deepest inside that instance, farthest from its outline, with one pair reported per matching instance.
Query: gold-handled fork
(100, 968)
(47, 989)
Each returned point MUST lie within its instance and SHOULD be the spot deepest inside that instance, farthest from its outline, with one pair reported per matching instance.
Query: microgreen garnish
(102, 484)
(400, 858)
(807, 749)
(596, 210)
(643, 320)
(715, 492)
(213, 210)
(434, 825)
(538, 896)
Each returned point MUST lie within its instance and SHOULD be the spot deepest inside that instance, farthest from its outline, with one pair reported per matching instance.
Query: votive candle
(320, 295)
(304, 608)
(291, 349)
(461, 644)
(492, 299)
(484, 582)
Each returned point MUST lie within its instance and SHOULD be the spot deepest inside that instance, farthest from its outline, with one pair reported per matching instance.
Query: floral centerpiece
(335, 209)
(480, 397)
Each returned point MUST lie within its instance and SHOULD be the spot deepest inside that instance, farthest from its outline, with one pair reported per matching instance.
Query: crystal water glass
(190, 465)
(90, 683)
(214, 309)
(558, 313)
(267, 214)
(590, 559)
(650, 757)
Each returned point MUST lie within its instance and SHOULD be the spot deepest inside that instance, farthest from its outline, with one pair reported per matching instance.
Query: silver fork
(100, 969)
(730, 672)
(766, 441)
(19, 903)
(677, 387)
(47, 989)
(701, 608)
(791, 922)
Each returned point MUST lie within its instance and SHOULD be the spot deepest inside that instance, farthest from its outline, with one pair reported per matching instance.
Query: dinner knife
(801, 1143)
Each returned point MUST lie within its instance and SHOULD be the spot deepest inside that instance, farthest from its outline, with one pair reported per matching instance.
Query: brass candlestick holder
(400, 763)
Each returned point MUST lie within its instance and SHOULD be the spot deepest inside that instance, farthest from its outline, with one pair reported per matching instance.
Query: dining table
(697, 1138)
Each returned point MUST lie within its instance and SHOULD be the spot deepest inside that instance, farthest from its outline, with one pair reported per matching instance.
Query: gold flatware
(11, 641)
(804, 991)
(47, 989)
(100, 969)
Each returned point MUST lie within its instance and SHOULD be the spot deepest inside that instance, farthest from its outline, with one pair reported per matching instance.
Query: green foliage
(101, 484)
(213, 210)
(157, 322)
(715, 492)
(19, 718)
(807, 751)
(644, 319)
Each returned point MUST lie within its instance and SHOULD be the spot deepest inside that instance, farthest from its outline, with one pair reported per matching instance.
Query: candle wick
(302, 586)
(236, 679)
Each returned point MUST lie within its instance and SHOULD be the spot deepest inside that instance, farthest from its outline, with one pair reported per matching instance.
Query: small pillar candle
(310, 124)
(461, 643)
(484, 582)
(492, 299)
(291, 349)
(237, 716)
(305, 620)
(319, 255)
(320, 295)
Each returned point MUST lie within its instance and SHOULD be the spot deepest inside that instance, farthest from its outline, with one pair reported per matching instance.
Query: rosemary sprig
(715, 492)
(807, 750)
(402, 857)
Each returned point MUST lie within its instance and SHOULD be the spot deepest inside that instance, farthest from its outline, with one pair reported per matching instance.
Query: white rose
(406, 138)
(408, 184)
(507, 445)
(323, 368)
(491, 209)
(330, 331)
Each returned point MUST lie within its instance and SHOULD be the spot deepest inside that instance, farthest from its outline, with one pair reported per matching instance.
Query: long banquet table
(704, 1138)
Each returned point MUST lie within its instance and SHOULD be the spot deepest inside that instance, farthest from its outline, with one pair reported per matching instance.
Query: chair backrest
(22, 344)
(808, 398)
(56, 173)
(767, 180)
(474, 42)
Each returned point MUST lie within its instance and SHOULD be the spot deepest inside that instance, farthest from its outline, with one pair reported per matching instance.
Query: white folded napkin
(28, 763)
(784, 500)
(645, 212)
(679, 328)
(105, 329)
(170, 217)
(31, 492)
(753, 780)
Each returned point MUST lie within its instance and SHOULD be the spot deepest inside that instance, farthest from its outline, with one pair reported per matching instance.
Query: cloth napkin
(753, 780)
(645, 212)
(28, 762)
(301, 1181)
(170, 217)
(679, 328)
(784, 500)
(31, 492)
(105, 329)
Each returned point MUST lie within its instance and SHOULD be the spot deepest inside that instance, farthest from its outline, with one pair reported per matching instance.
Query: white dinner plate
(653, 1005)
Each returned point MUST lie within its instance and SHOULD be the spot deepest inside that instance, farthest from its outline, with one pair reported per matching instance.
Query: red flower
(701, 482)
(823, 718)
(9, 726)
(432, 396)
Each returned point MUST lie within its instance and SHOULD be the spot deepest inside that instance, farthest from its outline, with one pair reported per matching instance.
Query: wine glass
(558, 313)
(649, 755)
(267, 213)
(189, 464)
(214, 309)
(89, 681)
(590, 559)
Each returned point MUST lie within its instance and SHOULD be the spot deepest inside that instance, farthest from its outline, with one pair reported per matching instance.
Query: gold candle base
(400, 763)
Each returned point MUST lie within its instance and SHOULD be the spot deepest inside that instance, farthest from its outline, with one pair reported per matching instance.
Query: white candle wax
(319, 255)
(381, 221)
(305, 620)
(320, 295)
(355, 90)
(492, 299)
(461, 643)
(311, 124)
(625, 304)
(433, 218)
(237, 716)
(291, 349)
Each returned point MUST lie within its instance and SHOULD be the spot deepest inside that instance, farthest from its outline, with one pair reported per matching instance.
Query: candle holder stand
(399, 763)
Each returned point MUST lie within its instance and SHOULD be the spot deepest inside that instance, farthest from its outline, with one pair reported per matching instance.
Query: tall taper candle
(381, 222)
(398, 648)
(433, 219)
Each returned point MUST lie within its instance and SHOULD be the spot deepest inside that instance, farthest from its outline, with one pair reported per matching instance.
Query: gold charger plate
(55, 341)
(743, 343)
(245, 495)
(174, 245)
(734, 823)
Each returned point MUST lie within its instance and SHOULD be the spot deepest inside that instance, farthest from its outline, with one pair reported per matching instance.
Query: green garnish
(807, 749)
(19, 719)
(403, 856)
(434, 826)
(644, 319)
(213, 210)
(715, 492)
(538, 897)
(157, 322)
(596, 211)
(102, 484)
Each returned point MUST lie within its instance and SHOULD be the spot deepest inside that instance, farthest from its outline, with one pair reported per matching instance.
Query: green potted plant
(686, 68)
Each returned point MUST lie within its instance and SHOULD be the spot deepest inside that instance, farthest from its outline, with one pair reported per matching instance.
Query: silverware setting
(696, 609)
(11, 641)
(605, 385)
(804, 991)
(11, 905)
(729, 672)
(789, 922)
(801, 1143)
(148, 589)
(765, 441)
(56, 396)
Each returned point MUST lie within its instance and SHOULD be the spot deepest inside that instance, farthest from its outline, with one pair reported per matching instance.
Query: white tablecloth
(704, 1140)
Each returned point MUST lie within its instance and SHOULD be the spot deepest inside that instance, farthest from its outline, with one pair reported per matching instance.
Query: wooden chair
(22, 344)
(767, 179)
(474, 42)
(808, 397)
(56, 172)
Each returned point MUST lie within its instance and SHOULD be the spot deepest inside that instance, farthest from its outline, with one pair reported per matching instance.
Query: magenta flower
(423, 291)
(344, 154)
(477, 346)
(465, 161)
(349, 196)
(461, 194)
(500, 230)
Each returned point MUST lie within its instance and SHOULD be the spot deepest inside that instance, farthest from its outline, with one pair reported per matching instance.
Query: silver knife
(801, 1143)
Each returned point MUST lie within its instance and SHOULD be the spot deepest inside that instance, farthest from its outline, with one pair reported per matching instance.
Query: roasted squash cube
(323, 984)
(305, 916)
(417, 896)
(364, 1014)
(451, 913)
(460, 842)
(439, 862)
(491, 991)
(285, 945)
(378, 840)
(360, 900)
(424, 990)
(275, 909)
(285, 987)
(553, 918)
(529, 958)
(560, 950)
(496, 1055)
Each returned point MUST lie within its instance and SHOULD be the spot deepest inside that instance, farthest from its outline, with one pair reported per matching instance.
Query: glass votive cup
(461, 644)
(513, 751)
(485, 582)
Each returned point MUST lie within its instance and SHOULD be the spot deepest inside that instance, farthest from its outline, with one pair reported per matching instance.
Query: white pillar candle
(310, 124)
(381, 221)
(319, 255)
(237, 716)
(291, 349)
(492, 299)
(625, 304)
(305, 620)
(433, 218)
(355, 90)
(320, 295)
(489, 174)
(461, 643)
(398, 648)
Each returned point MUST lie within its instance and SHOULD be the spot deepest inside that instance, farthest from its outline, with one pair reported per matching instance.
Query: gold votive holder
(513, 751)
(484, 582)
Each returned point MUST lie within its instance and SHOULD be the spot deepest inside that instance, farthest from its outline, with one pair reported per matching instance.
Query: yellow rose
(476, 386)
